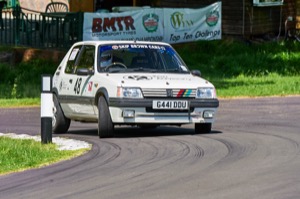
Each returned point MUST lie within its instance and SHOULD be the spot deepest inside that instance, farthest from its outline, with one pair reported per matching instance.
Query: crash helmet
(105, 59)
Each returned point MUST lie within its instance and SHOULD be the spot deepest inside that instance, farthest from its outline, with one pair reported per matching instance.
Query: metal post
(13, 3)
(18, 24)
(46, 109)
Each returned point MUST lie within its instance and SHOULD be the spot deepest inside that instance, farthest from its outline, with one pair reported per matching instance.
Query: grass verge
(23, 102)
(21, 154)
(268, 85)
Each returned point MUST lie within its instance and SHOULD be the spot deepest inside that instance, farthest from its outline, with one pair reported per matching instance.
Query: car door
(77, 83)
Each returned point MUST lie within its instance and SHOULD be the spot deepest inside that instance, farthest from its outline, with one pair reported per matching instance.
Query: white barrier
(46, 109)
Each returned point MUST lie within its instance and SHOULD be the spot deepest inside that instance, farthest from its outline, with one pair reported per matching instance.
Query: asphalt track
(253, 152)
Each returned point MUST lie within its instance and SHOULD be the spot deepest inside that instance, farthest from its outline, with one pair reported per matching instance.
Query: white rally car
(130, 83)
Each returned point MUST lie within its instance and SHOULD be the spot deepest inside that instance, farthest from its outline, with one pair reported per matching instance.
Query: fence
(40, 30)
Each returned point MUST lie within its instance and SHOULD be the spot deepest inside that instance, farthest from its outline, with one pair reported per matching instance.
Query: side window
(87, 58)
(71, 64)
(81, 57)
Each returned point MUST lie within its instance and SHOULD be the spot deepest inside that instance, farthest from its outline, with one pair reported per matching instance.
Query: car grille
(175, 93)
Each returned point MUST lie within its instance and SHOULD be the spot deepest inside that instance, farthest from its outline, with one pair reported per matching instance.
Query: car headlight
(130, 92)
(207, 93)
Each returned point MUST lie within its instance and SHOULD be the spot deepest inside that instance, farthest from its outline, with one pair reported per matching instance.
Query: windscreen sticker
(116, 47)
(138, 46)
(74, 54)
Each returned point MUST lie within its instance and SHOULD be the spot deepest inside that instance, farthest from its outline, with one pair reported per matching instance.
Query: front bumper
(143, 112)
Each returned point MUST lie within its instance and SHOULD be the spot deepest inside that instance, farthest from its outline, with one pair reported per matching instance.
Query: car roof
(106, 42)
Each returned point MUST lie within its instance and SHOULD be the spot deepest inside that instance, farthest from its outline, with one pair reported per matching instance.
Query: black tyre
(105, 125)
(60, 124)
(202, 128)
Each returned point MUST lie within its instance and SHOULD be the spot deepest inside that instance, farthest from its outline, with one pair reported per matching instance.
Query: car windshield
(139, 58)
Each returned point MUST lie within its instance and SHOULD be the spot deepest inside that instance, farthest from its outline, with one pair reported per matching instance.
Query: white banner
(185, 25)
(143, 25)
(155, 24)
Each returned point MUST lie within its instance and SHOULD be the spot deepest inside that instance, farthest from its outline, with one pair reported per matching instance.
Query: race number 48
(77, 86)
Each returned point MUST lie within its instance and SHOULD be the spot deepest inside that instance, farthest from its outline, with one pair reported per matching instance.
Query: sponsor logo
(113, 24)
(184, 93)
(212, 18)
(178, 20)
(116, 47)
(137, 77)
(150, 22)
(90, 86)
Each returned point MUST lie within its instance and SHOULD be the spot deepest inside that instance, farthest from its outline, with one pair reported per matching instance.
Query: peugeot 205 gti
(143, 84)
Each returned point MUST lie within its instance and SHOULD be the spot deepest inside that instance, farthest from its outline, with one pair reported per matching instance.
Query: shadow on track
(132, 132)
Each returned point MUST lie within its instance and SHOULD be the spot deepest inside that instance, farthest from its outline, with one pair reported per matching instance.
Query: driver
(106, 59)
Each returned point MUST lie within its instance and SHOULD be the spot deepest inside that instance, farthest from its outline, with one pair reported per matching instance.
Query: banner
(155, 24)
(186, 25)
(145, 25)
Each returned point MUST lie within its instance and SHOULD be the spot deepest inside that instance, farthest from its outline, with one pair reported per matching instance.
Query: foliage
(231, 58)
(23, 81)
(7, 75)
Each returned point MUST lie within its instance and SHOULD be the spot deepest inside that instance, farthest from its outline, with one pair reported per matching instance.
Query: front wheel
(60, 124)
(202, 128)
(105, 125)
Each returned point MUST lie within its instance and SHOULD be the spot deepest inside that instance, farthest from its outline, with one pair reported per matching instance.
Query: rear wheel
(202, 128)
(60, 124)
(105, 125)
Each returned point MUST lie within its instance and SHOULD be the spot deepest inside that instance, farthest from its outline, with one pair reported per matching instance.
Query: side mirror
(84, 72)
(196, 73)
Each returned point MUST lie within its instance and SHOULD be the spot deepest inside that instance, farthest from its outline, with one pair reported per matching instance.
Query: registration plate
(170, 104)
